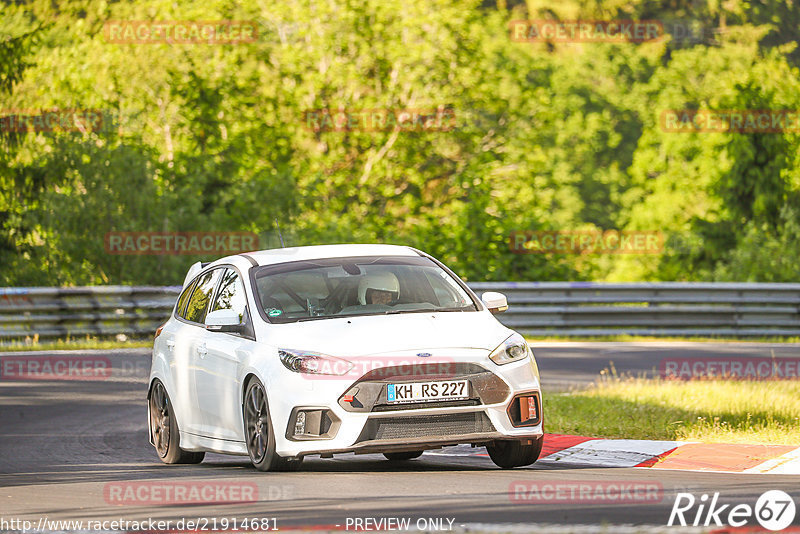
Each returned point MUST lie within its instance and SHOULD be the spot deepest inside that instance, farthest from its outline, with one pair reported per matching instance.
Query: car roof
(282, 255)
(315, 252)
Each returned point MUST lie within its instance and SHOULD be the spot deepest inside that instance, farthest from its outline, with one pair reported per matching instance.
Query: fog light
(524, 410)
(309, 422)
(300, 424)
(527, 409)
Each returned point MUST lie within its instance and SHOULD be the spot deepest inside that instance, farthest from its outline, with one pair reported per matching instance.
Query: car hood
(377, 334)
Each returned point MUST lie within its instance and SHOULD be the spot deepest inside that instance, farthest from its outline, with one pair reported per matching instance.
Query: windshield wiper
(387, 312)
(426, 310)
(314, 318)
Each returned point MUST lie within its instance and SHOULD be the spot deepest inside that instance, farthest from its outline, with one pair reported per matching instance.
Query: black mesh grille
(434, 426)
(418, 405)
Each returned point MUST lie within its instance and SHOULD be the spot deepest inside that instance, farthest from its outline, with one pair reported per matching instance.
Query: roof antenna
(279, 232)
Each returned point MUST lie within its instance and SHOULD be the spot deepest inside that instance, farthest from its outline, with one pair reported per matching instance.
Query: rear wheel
(508, 454)
(164, 429)
(259, 433)
(402, 456)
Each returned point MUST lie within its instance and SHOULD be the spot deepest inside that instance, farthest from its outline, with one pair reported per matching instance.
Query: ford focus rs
(287, 353)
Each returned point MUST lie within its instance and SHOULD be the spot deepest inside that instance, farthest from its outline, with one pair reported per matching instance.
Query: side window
(201, 295)
(180, 309)
(231, 294)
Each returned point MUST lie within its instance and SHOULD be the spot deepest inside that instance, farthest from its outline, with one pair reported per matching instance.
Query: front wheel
(259, 433)
(509, 454)
(164, 429)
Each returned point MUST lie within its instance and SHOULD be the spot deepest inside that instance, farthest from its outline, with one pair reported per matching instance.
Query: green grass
(723, 411)
(86, 343)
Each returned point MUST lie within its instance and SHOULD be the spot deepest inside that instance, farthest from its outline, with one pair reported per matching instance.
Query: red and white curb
(560, 449)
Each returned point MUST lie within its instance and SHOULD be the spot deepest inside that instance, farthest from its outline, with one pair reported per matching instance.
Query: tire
(289, 465)
(164, 429)
(509, 454)
(259, 434)
(402, 456)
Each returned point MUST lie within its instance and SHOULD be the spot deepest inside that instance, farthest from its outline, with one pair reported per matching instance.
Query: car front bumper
(370, 424)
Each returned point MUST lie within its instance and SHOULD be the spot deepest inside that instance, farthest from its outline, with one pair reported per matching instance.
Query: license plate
(427, 391)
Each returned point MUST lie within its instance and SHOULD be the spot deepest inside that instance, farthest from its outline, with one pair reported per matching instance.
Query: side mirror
(496, 302)
(224, 321)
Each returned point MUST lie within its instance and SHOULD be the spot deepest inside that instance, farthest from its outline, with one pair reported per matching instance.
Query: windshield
(343, 287)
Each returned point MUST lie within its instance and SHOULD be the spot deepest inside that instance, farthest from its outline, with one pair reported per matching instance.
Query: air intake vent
(434, 426)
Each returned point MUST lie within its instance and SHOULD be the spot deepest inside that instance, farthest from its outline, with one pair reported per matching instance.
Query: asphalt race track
(65, 446)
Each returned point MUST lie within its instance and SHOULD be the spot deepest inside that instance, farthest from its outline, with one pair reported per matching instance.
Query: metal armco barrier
(535, 309)
(77, 312)
(651, 309)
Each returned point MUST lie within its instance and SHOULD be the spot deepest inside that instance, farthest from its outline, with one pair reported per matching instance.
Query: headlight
(313, 363)
(511, 350)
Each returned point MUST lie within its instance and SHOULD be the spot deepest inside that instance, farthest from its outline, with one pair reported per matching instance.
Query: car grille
(368, 393)
(434, 426)
(418, 405)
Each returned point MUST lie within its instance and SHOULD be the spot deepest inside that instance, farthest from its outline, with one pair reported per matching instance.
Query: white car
(286, 353)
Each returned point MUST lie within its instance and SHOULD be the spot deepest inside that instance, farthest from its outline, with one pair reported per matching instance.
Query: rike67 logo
(774, 510)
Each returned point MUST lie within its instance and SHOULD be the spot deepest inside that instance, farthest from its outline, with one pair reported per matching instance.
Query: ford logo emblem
(424, 354)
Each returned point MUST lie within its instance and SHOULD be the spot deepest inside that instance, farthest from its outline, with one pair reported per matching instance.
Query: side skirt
(195, 443)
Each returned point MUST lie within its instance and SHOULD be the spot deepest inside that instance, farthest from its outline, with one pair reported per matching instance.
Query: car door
(190, 343)
(173, 345)
(216, 379)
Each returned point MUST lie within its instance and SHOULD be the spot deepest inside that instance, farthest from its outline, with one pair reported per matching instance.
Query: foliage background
(549, 136)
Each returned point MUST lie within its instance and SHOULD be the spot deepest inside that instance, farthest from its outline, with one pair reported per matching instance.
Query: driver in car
(378, 288)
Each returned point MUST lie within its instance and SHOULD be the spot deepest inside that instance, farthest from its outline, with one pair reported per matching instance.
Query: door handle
(202, 350)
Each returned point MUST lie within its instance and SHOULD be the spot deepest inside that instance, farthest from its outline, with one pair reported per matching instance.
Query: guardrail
(573, 309)
(76, 312)
(650, 309)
